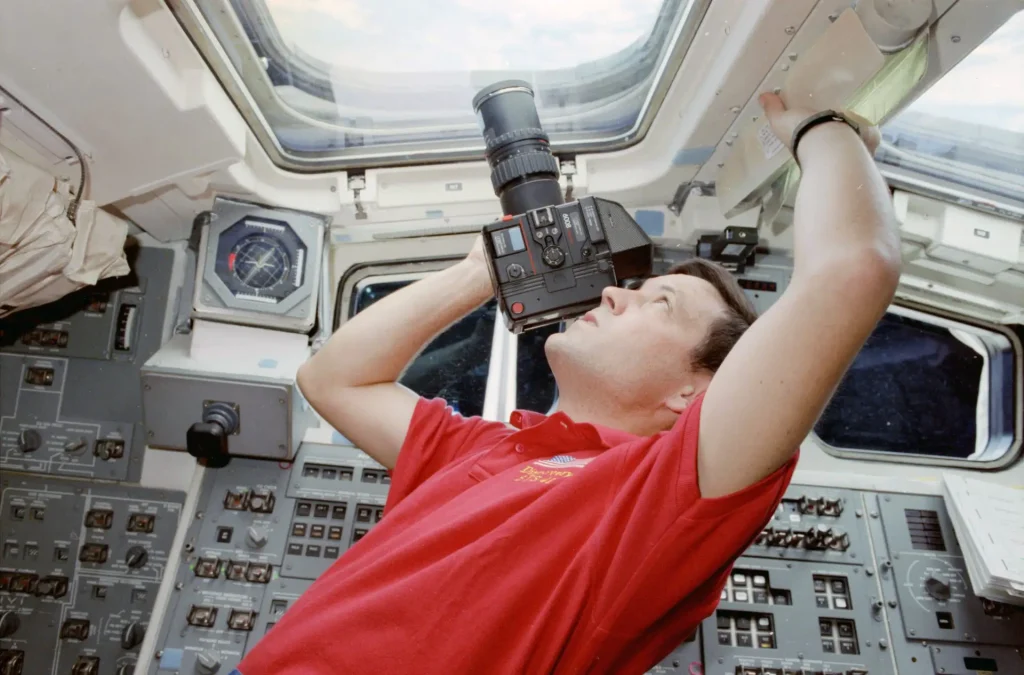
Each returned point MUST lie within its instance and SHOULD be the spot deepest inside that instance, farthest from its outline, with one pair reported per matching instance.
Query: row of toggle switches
(817, 538)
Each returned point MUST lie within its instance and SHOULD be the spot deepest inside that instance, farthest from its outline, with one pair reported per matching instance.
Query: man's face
(635, 349)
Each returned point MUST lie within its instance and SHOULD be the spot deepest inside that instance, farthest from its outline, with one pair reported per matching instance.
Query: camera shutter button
(554, 256)
(515, 270)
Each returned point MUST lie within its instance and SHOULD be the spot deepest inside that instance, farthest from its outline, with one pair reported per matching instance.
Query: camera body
(549, 260)
(553, 262)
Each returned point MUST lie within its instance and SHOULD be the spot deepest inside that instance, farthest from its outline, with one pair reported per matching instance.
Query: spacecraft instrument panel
(840, 581)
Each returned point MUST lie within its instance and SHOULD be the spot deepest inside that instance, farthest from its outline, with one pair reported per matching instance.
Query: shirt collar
(595, 434)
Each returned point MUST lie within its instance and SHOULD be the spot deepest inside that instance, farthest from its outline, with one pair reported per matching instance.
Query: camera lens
(524, 173)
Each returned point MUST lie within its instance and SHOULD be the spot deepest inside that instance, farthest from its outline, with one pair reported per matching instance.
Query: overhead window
(330, 83)
(928, 387)
(454, 365)
(968, 128)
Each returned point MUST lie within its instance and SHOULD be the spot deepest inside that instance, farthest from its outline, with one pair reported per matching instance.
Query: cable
(73, 207)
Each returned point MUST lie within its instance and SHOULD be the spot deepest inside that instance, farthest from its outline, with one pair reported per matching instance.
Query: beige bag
(43, 255)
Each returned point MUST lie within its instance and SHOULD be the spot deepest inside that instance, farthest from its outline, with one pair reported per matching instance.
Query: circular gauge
(259, 262)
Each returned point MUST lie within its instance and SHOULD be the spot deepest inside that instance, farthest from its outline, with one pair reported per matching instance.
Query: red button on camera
(517, 308)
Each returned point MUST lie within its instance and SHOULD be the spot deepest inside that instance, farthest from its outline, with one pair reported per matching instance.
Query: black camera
(549, 259)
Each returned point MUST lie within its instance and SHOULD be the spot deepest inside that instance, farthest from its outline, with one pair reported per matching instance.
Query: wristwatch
(820, 118)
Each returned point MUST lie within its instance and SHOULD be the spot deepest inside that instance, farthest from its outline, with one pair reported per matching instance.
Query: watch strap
(816, 119)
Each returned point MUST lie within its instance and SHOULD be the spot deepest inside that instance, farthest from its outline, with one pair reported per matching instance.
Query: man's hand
(773, 385)
(785, 121)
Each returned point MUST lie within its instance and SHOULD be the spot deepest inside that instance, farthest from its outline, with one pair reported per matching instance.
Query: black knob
(132, 635)
(9, 624)
(554, 256)
(515, 270)
(136, 557)
(29, 440)
(937, 589)
(126, 669)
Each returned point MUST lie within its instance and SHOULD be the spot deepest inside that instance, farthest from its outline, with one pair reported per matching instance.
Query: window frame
(257, 100)
(982, 330)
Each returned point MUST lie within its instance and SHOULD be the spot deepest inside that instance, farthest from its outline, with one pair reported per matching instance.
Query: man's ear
(681, 399)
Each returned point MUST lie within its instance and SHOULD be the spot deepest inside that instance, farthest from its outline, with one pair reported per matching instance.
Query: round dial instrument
(260, 260)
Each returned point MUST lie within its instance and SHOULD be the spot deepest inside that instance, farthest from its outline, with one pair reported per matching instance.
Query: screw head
(790, 30)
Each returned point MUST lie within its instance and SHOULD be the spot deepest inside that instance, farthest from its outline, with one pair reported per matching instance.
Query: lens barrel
(524, 173)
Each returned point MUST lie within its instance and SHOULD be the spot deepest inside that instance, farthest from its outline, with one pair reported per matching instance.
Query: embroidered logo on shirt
(562, 462)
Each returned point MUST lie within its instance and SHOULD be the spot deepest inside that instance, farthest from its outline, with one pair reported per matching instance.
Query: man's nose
(615, 299)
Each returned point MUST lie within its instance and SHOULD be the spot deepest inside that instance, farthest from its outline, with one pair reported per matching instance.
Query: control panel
(80, 566)
(70, 375)
(263, 531)
(839, 581)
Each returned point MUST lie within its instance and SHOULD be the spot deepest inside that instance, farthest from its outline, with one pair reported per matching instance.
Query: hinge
(356, 184)
(686, 190)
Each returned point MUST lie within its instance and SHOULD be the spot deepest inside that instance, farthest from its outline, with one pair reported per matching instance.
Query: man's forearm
(843, 208)
(377, 344)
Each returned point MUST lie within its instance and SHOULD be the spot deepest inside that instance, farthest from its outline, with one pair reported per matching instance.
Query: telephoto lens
(524, 173)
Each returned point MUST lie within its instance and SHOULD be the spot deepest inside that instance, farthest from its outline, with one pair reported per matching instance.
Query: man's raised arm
(352, 380)
(776, 381)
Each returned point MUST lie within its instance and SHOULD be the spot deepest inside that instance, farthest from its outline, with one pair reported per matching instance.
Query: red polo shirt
(542, 547)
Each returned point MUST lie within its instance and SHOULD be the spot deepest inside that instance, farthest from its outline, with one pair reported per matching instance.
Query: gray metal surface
(921, 622)
(214, 300)
(174, 401)
(43, 520)
(94, 392)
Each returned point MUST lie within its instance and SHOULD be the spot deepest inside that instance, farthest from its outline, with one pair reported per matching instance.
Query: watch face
(260, 259)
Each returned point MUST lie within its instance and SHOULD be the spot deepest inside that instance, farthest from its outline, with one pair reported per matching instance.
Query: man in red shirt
(595, 539)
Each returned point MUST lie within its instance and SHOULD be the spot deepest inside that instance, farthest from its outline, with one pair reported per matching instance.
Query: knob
(207, 662)
(515, 270)
(9, 624)
(937, 589)
(256, 537)
(126, 669)
(553, 256)
(136, 557)
(132, 635)
(29, 440)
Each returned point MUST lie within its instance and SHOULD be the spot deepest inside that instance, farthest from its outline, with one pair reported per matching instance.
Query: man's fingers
(772, 105)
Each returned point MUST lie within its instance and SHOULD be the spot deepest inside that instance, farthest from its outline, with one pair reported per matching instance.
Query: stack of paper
(989, 523)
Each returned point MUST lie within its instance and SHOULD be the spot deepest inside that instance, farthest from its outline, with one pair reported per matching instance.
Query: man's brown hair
(725, 331)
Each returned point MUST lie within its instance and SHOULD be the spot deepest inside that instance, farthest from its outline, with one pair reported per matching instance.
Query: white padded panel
(145, 113)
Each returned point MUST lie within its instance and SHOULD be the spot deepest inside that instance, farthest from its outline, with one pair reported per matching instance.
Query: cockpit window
(928, 387)
(454, 365)
(535, 384)
(340, 82)
(968, 128)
